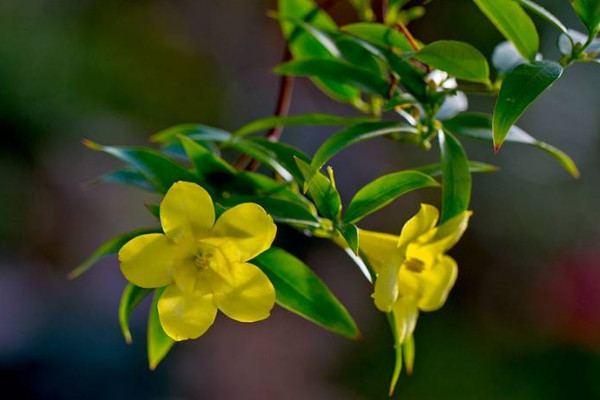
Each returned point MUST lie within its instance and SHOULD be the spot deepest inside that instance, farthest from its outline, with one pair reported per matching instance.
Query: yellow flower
(203, 263)
(413, 273)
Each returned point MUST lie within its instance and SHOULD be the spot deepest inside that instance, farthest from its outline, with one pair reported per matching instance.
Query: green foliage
(302, 292)
(519, 90)
(402, 91)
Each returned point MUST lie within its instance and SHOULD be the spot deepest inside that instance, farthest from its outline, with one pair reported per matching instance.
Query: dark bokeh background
(522, 322)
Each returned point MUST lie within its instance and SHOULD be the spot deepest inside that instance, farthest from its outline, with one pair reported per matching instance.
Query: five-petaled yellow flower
(203, 263)
(413, 273)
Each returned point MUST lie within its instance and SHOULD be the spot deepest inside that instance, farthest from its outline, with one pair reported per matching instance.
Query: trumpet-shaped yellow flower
(413, 273)
(203, 263)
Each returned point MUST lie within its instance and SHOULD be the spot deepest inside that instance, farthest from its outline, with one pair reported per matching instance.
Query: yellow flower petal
(445, 236)
(436, 283)
(243, 232)
(147, 260)
(245, 293)
(405, 319)
(187, 211)
(377, 247)
(386, 287)
(185, 315)
(421, 223)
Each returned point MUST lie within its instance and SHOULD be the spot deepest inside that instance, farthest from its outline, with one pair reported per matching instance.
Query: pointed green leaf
(266, 123)
(456, 178)
(456, 58)
(355, 134)
(132, 296)
(109, 248)
(321, 190)
(382, 191)
(479, 126)
(127, 177)
(160, 171)
(300, 291)
(159, 343)
(303, 45)
(519, 90)
(205, 162)
(588, 12)
(338, 71)
(545, 14)
(205, 132)
(350, 234)
(514, 23)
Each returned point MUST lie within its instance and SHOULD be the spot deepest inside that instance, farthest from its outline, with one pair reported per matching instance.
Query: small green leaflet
(456, 178)
(124, 176)
(205, 162)
(519, 90)
(338, 71)
(588, 12)
(479, 126)
(159, 344)
(132, 296)
(300, 291)
(382, 191)
(456, 58)
(322, 190)
(109, 248)
(350, 234)
(514, 23)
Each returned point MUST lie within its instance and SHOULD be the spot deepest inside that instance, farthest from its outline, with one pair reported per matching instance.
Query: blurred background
(523, 321)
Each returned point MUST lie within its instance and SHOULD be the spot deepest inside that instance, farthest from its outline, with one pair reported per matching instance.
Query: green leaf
(127, 177)
(284, 154)
(266, 123)
(338, 71)
(379, 35)
(456, 58)
(159, 343)
(322, 191)
(160, 171)
(474, 167)
(545, 14)
(350, 234)
(322, 37)
(588, 12)
(303, 45)
(514, 23)
(412, 79)
(109, 248)
(355, 134)
(205, 162)
(259, 154)
(519, 90)
(300, 291)
(479, 126)
(382, 191)
(456, 178)
(131, 298)
(169, 136)
(281, 210)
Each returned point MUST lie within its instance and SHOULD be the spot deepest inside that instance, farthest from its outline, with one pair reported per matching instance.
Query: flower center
(414, 265)
(202, 260)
